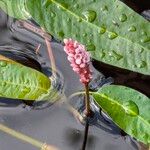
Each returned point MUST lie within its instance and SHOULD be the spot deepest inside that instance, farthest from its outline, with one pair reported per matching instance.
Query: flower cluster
(79, 59)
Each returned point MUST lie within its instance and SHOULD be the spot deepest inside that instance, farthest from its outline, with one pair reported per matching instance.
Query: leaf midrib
(106, 97)
(37, 87)
(59, 4)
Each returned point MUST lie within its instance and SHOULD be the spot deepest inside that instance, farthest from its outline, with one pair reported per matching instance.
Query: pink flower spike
(79, 59)
(70, 58)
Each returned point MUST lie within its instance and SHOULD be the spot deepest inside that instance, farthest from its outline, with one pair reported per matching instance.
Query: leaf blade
(21, 82)
(121, 36)
(128, 108)
(126, 50)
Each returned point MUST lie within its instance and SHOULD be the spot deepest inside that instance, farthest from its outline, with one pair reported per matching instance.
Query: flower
(79, 59)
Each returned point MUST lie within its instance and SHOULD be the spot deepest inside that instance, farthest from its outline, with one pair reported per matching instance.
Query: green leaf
(128, 108)
(15, 8)
(113, 32)
(21, 82)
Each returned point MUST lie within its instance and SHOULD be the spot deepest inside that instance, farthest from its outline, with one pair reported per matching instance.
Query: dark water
(56, 125)
(138, 5)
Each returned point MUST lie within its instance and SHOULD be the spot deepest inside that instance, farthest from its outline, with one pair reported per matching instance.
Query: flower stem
(87, 113)
(26, 138)
(87, 101)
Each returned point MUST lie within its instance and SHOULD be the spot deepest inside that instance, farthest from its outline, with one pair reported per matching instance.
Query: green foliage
(128, 108)
(15, 8)
(21, 82)
(113, 32)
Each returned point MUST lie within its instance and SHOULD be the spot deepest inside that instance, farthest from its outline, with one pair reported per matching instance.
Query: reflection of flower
(79, 59)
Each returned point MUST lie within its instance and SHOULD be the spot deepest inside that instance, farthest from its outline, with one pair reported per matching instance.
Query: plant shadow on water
(54, 125)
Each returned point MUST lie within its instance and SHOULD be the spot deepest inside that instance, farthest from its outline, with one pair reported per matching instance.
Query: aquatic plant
(79, 59)
(114, 34)
(117, 101)
(80, 63)
(21, 82)
(27, 139)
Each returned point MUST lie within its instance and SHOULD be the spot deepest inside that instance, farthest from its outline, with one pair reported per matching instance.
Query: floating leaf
(15, 8)
(21, 82)
(128, 108)
(109, 25)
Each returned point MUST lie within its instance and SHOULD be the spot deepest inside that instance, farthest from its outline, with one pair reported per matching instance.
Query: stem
(26, 138)
(87, 113)
(143, 146)
(77, 115)
(78, 93)
(51, 56)
(37, 30)
(37, 49)
(85, 135)
(87, 101)
(47, 38)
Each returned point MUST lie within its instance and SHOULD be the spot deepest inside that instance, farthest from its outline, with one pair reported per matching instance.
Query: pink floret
(79, 59)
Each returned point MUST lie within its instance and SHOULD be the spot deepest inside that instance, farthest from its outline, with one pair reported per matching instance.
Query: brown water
(54, 125)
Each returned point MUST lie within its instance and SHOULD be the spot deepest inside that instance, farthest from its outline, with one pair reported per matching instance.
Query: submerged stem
(85, 135)
(51, 56)
(36, 30)
(37, 49)
(46, 36)
(26, 138)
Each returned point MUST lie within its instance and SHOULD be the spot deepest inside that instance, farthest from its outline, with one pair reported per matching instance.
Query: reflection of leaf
(21, 82)
(128, 108)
